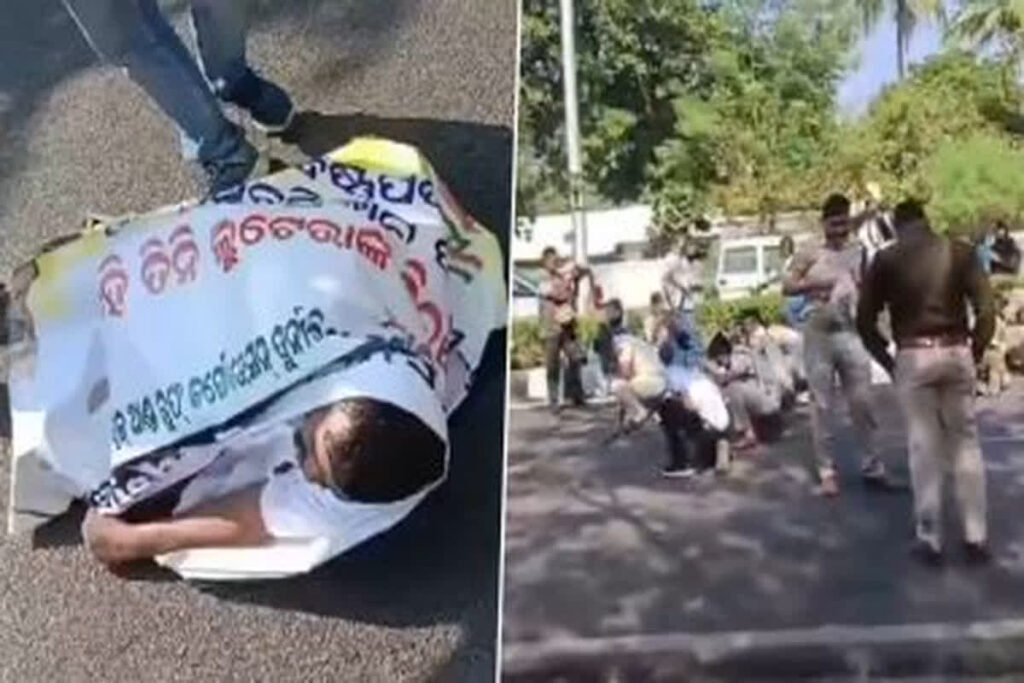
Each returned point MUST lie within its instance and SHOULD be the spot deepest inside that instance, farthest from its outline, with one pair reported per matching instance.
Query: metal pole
(572, 132)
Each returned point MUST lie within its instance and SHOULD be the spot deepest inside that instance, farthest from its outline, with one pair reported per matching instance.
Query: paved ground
(76, 137)
(605, 558)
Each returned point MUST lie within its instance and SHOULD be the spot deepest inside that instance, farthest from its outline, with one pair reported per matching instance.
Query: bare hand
(103, 535)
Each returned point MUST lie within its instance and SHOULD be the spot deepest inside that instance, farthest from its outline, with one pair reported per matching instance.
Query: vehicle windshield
(772, 260)
(739, 260)
(523, 286)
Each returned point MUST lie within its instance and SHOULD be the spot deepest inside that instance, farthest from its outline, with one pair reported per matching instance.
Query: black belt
(942, 341)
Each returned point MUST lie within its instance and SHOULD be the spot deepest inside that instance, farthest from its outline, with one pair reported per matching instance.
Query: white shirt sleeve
(294, 507)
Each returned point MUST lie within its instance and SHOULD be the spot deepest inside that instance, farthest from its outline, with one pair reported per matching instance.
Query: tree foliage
(975, 182)
(731, 108)
(952, 99)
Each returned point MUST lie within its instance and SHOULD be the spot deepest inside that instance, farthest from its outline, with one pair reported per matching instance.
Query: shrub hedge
(712, 316)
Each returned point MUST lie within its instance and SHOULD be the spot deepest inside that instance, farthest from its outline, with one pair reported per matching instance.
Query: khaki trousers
(936, 390)
(828, 355)
(640, 394)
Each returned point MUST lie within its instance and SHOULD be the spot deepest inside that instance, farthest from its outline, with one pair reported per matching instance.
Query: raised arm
(234, 520)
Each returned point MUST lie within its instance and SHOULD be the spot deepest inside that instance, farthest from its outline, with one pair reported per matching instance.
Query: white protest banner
(139, 333)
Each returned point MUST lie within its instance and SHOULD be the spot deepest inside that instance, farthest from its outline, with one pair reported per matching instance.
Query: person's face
(549, 261)
(320, 430)
(613, 315)
(836, 227)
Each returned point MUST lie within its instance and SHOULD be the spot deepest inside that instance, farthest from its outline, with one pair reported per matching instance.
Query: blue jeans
(133, 34)
(693, 353)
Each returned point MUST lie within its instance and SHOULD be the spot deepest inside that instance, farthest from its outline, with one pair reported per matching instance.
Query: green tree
(634, 59)
(995, 24)
(907, 14)
(952, 97)
(974, 182)
(755, 143)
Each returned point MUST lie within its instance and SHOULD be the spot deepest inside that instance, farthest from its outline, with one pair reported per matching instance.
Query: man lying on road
(317, 470)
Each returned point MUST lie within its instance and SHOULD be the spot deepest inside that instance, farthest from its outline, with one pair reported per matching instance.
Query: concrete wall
(630, 281)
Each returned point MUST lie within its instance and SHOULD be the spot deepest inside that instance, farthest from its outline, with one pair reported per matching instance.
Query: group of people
(717, 399)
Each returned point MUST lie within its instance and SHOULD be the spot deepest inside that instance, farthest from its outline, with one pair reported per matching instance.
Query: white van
(747, 264)
(525, 297)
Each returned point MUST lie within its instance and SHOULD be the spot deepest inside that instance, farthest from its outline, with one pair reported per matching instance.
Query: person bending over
(641, 384)
(750, 388)
(354, 451)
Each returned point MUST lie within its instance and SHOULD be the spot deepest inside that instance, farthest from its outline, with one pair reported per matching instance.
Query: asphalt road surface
(608, 565)
(78, 137)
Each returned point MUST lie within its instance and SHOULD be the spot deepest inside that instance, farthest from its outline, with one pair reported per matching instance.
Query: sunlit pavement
(612, 568)
(76, 137)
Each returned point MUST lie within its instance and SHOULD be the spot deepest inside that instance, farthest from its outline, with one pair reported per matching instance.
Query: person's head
(692, 250)
(787, 247)
(657, 302)
(750, 323)
(370, 451)
(549, 258)
(909, 215)
(1002, 230)
(613, 313)
(719, 349)
(835, 216)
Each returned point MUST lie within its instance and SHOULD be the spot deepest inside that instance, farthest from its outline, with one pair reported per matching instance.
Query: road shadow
(597, 545)
(474, 159)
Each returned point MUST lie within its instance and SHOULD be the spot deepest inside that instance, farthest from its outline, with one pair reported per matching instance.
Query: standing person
(1006, 251)
(984, 252)
(828, 274)
(134, 35)
(681, 286)
(559, 290)
(656, 321)
(795, 305)
(925, 281)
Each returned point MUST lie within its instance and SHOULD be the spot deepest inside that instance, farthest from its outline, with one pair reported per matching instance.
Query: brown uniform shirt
(926, 281)
(558, 298)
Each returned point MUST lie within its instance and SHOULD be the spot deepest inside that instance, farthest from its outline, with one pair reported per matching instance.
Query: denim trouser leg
(134, 34)
(220, 28)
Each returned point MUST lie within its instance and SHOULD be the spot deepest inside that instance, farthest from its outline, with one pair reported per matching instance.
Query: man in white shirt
(306, 478)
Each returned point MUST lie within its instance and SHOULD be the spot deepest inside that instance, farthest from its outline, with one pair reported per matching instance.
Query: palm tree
(907, 14)
(991, 23)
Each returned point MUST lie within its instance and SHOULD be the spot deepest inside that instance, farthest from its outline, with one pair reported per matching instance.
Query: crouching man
(643, 385)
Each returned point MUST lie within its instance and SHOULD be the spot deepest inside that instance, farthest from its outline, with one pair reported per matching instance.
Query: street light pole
(572, 133)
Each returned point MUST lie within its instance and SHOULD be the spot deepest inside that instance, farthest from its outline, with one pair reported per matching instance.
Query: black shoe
(270, 107)
(232, 169)
(977, 554)
(925, 554)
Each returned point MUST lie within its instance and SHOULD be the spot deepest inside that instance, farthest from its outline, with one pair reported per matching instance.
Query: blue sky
(877, 64)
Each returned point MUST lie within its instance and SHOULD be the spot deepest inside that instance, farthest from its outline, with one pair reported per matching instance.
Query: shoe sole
(275, 130)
